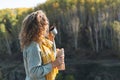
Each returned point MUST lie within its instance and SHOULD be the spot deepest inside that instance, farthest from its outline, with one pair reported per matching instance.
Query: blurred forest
(89, 30)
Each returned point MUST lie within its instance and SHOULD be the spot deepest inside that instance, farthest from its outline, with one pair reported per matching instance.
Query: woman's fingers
(58, 61)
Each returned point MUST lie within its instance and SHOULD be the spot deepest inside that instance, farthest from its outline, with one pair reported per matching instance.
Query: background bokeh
(88, 30)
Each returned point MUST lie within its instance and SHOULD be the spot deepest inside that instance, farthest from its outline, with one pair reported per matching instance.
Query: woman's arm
(35, 66)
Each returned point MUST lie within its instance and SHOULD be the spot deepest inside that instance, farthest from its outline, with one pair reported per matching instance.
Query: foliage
(69, 77)
(85, 24)
(10, 22)
(93, 30)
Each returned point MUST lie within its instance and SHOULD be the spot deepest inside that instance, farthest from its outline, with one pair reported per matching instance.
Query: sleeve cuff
(47, 67)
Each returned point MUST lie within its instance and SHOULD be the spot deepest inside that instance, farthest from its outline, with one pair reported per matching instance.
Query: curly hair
(33, 28)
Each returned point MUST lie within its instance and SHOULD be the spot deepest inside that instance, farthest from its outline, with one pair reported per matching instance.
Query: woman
(39, 56)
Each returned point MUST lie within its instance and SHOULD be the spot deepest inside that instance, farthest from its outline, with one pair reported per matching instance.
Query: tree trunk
(8, 45)
(91, 39)
(96, 38)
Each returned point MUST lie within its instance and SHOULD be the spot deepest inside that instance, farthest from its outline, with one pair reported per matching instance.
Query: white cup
(54, 31)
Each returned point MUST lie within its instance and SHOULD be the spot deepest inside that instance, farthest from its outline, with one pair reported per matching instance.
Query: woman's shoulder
(33, 45)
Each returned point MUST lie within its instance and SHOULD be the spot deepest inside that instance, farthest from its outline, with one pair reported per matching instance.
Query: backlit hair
(33, 28)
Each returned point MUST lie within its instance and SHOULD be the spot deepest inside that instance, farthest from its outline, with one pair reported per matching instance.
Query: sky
(19, 3)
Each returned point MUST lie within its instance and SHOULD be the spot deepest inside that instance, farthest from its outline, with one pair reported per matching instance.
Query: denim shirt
(34, 68)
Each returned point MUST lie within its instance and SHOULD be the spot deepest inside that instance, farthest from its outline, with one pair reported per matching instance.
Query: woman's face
(46, 29)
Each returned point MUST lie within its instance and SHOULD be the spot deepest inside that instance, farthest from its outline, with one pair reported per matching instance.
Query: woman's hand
(59, 60)
(60, 52)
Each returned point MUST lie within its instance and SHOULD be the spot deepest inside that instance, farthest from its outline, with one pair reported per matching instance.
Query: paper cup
(62, 66)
